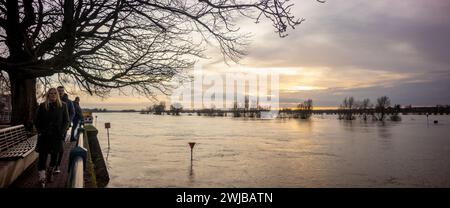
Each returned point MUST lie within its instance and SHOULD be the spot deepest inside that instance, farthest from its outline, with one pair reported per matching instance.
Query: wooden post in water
(191, 144)
(107, 126)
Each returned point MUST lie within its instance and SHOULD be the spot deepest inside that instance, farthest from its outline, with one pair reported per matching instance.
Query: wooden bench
(15, 144)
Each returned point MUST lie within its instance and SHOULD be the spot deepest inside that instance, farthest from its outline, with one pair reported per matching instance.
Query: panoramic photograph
(224, 94)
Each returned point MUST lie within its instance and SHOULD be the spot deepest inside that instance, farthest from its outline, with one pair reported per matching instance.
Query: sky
(359, 48)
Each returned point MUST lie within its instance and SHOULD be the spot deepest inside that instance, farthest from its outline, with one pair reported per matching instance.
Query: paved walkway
(29, 178)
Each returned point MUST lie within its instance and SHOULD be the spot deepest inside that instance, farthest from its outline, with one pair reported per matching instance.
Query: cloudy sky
(359, 48)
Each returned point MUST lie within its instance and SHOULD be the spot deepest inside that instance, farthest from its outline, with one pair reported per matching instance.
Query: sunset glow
(364, 49)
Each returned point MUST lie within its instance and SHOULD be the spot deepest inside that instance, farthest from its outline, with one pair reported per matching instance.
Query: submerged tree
(113, 44)
(396, 113)
(236, 110)
(160, 108)
(346, 109)
(305, 109)
(382, 104)
(176, 108)
(363, 107)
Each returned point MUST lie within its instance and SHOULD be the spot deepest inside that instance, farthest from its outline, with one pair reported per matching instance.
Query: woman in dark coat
(52, 120)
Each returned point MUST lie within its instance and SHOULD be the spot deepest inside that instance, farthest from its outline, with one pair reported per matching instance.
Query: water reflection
(385, 134)
(107, 154)
(361, 126)
(348, 125)
(305, 124)
(383, 130)
(191, 173)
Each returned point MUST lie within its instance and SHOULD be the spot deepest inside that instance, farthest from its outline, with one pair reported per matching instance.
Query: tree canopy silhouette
(109, 44)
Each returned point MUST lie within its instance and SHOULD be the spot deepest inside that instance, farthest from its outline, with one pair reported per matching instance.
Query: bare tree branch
(140, 44)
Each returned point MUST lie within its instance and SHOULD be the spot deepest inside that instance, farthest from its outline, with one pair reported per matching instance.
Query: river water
(153, 151)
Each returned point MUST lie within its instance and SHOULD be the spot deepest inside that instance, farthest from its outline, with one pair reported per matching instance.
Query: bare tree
(346, 109)
(382, 104)
(395, 116)
(305, 109)
(113, 44)
(364, 107)
(160, 108)
(176, 109)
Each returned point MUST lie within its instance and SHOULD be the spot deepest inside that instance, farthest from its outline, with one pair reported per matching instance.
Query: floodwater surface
(153, 151)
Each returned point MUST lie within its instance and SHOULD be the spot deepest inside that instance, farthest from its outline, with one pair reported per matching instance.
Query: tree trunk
(23, 100)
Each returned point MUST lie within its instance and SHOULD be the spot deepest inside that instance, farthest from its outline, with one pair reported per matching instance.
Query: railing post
(77, 163)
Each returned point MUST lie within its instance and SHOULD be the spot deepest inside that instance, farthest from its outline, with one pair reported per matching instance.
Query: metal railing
(77, 161)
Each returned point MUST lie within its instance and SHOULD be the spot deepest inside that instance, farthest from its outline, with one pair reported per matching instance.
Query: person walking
(64, 98)
(52, 120)
(77, 119)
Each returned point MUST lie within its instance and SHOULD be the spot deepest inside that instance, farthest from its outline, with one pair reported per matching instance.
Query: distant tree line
(364, 109)
(303, 111)
(350, 109)
(160, 109)
(95, 110)
(103, 110)
(157, 109)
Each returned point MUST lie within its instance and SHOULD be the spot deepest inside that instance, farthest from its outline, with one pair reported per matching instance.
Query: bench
(15, 144)
(16, 153)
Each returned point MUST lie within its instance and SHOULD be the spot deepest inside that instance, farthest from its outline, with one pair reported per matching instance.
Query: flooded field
(153, 151)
